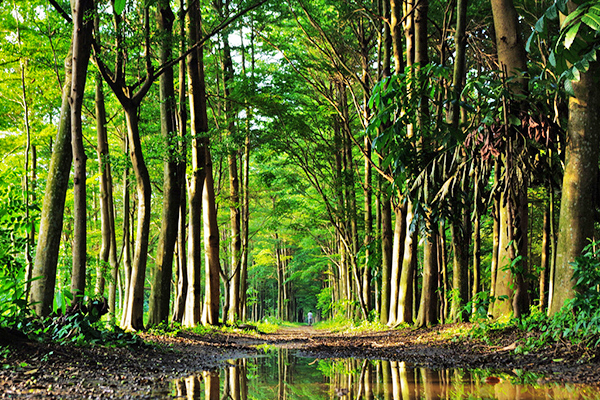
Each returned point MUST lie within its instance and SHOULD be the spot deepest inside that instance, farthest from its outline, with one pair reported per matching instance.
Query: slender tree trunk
(182, 273)
(161, 287)
(495, 238)
(428, 305)
(51, 218)
(234, 188)
(126, 238)
(108, 249)
(476, 257)
(82, 45)
(199, 130)
(386, 258)
(245, 229)
(103, 165)
(545, 258)
(396, 33)
(210, 314)
(398, 255)
(135, 309)
(406, 294)
(26, 182)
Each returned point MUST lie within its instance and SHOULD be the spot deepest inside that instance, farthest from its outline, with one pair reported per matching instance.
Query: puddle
(282, 374)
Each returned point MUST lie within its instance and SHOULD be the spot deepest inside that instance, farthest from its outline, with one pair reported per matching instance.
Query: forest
(407, 163)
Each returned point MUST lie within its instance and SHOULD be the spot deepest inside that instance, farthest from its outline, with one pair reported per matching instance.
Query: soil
(37, 370)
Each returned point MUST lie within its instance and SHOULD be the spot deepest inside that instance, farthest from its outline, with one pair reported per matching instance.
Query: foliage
(165, 329)
(578, 41)
(578, 321)
(267, 326)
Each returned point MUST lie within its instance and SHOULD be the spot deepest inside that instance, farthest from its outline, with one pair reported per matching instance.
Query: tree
(579, 186)
(160, 295)
(510, 290)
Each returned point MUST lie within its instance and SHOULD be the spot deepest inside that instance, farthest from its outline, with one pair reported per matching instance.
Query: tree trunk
(126, 237)
(210, 314)
(545, 258)
(52, 215)
(245, 229)
(512, 255)
(386, 258)
(428, 306)
(579, 187)
(460, 270)
(161, 287)
(82, 45)
(108, 249)
(182, 273)
(398, 255)
(134, 319)
(407, 278)
(199, 130)
(234, 188)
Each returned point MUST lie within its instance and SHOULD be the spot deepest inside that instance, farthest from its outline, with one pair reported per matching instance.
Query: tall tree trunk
(82, 11)
(396, 34)
(108, 249)
(512, 255)
(126, 238)
(245, 229)
(579, 187)
(134, 319)
(210, 313)
(234, 185)
(199, 130)
(495, 237)
(476, 287)
(428, 305)
(161, 287)
(406, 294)
(386, 257)
(27, 198)
(182, 273)
(545, 258)
(398, 255)
(52, 215)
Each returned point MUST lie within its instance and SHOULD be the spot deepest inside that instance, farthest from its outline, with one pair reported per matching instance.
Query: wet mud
(36, 370)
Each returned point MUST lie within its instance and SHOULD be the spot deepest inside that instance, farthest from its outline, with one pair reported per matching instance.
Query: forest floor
(36, 370)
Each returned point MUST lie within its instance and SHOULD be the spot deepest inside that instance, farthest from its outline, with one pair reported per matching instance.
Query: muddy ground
(34, 370)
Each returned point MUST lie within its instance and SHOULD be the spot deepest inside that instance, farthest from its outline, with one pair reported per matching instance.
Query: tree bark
(234, 186)
(135, 309)
(81, 11)
(579, 187)
(210, 314)
(161, 287)
(52, 215)
(199, 130)
(108, 249)
(182, 272)
(512, 254)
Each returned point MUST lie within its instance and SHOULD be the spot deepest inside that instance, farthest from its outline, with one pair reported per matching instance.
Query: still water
(282, 374)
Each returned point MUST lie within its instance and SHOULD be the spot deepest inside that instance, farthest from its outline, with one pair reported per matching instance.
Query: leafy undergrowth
(576, 325)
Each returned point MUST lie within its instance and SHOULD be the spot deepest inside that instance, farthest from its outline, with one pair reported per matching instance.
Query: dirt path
(39, 370)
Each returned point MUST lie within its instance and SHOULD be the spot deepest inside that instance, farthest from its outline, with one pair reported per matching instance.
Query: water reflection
(283, 375)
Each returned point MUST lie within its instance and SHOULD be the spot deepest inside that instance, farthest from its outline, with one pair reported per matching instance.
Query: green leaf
(591, 20)
(540, 25)
(119, 6)
(571, 34)
(551, 13)
(561, 5)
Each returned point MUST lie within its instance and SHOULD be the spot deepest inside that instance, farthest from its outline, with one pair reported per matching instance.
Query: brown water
(283, 375)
